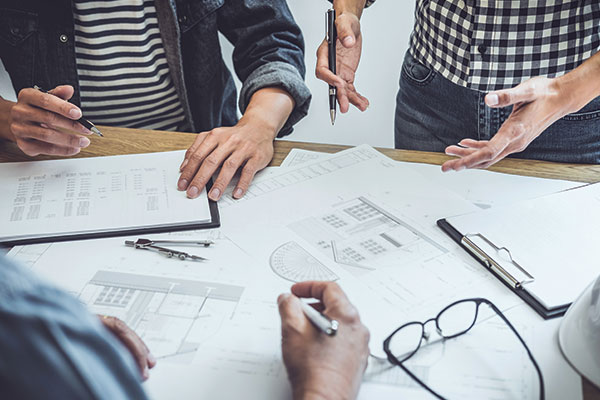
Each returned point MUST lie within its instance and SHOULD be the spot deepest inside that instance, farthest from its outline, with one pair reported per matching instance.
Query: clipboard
(515, 283)
(91, 198)
(215, 222)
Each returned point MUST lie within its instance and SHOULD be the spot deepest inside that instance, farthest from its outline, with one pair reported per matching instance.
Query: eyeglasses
(455, 320)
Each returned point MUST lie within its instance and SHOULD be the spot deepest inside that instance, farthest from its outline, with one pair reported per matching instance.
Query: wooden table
(132, 141)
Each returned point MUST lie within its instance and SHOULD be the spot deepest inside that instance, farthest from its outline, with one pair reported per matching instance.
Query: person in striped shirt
(156, 64)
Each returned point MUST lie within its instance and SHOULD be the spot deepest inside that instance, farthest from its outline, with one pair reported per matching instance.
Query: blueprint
(480, 187)
(215, 326)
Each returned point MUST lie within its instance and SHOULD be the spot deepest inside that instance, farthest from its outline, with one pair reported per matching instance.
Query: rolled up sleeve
(284, 76)
(268, 51)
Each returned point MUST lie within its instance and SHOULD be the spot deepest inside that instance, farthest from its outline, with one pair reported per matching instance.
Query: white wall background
(386, 30)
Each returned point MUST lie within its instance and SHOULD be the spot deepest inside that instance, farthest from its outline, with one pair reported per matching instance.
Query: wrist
(355, 7)
(258, 124)
(579, 86)
(268, 111)
(5, 120)
(324, 385)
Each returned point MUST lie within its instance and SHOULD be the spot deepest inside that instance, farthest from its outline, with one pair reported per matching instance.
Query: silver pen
(322, 322)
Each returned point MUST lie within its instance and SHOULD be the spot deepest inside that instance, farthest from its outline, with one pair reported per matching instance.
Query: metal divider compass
(147, 244)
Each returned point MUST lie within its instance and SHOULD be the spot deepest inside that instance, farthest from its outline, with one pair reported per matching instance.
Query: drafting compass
(147, 244)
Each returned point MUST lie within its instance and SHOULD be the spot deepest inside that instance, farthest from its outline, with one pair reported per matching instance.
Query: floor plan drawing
(173, 316)
(361, 234)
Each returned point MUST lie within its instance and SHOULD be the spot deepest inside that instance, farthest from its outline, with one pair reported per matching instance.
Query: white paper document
(213, 326)
(376, 237)
(90, 195)
(355, 217)
(553, 238)
(482, 188)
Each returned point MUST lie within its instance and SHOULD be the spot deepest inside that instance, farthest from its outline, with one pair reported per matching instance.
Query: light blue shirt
(51, 347)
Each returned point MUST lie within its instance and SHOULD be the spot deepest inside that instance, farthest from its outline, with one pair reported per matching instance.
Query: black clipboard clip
(496, 266)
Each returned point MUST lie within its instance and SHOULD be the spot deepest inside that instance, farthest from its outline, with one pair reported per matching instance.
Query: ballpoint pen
(81, 120)
(331, 43)
(323, 323)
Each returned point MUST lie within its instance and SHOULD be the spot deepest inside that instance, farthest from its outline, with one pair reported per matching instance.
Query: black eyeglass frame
(478, 301)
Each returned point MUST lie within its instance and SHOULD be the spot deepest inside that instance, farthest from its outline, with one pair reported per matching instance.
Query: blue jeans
(433, 113)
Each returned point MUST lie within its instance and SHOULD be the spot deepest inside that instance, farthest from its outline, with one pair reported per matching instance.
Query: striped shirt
(123, 72)
(496, 44)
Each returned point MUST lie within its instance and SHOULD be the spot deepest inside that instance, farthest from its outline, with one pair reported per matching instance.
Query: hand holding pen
(37, 119)
(317, 361)
(348, 48)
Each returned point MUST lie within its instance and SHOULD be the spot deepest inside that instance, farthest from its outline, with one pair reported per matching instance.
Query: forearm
(581, 85)
(355, 7)
(5, 107)
(270, 108)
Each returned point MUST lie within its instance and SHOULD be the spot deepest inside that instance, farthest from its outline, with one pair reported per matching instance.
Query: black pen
(81, 120)
(331, 42)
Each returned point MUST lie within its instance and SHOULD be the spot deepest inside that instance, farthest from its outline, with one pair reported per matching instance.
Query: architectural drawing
(361, 234)
(173, 316)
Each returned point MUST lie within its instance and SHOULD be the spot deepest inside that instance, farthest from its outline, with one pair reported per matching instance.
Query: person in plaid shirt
(483, 80)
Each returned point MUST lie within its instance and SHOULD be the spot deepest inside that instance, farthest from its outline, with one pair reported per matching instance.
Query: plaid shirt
(495, 44)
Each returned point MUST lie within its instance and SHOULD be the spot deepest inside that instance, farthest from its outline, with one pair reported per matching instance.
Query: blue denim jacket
(37, 48)
(53, 348)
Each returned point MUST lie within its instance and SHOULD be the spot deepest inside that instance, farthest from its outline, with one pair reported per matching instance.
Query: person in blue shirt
(52, 347)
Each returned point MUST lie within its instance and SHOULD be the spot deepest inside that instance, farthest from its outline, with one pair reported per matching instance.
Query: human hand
(36, 118)
(348, 51)
(538, 103)
(248, 145)
(138, 349)
(321, 366)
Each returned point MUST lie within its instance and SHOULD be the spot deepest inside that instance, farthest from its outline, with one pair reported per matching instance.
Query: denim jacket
(37, 48)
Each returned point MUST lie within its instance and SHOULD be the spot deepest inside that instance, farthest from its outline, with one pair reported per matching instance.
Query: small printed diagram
(293, 263)
(361, 234)
(174, 317)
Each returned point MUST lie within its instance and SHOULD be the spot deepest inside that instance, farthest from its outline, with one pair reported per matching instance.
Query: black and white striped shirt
(123, 72)
(495, 44)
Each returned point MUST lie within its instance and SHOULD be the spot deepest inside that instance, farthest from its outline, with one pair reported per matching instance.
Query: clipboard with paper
(84, 198)
(545, 250)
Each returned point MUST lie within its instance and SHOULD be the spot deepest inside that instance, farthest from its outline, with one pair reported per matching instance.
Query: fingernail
(214, 194)
(238, 193)
(348, 41)
(146, 373)
(75, 113)
(44, 126)
(282, 297)
(182, 184)
(151, 358)
(192, 192)
(460, 168)
(492, 99)
(183, 164)
(84, 142)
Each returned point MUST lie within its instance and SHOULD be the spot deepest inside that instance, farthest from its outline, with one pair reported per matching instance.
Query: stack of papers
(355, 217)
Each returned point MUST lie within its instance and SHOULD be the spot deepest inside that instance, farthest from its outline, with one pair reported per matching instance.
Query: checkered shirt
(495, 44)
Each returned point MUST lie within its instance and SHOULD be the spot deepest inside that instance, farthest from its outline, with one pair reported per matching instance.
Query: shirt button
(64, 38)
(482, 48)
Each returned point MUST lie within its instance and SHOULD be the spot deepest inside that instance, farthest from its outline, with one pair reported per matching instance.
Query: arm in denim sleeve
(52, 347)
(268, 51)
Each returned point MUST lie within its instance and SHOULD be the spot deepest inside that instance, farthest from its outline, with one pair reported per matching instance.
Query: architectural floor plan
(173, 316)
